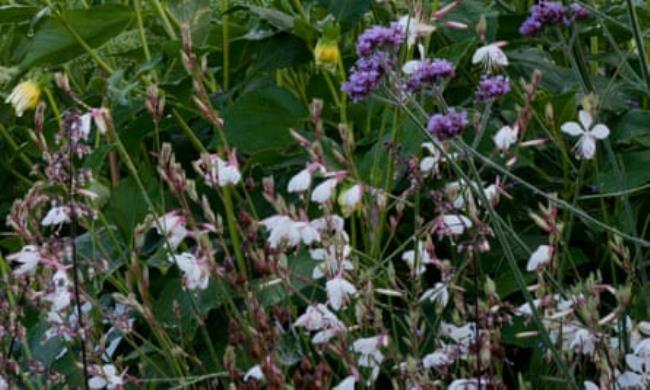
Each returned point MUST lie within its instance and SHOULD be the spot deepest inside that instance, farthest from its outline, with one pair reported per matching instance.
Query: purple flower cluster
(365, 75)
(550, 12)
(579, 12)
(446, 126)
(380, 37)
(492, 87)
(428, 72)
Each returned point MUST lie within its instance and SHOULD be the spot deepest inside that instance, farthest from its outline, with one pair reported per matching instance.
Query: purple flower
(446, 126)
(428, 72)
(492, 87)
(543, 14)
(579, 12)
(379, 36)
(366, 75)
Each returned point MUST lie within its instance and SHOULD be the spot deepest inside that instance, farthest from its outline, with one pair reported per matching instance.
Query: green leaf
(632, 127)
(261, 119)
(16, 13)
(53, 43)
(281, 51)
(276, 18)
(346, 12)
(635, 172)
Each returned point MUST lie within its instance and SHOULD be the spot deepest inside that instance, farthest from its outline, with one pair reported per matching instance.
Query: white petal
(97, 382)
(346, 384)
(572, 128)
(411, 66)
(585, 119)
(300, 182)
(600, 131)
(587, 147)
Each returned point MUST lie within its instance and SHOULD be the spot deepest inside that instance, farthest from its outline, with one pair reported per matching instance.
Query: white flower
(100, 117)
(460, 334)
(439, 295)
(338, 292)
(454, 224)
(584, 342)
(324, 191)
(332, 258)
(430, 164)
(369, 350)
(586, 145)
(346, 384)
(437, 359)
(300, 182)
(325, 335)
(5, 386)
(218, 172)
(60, 297)
(56, 216)
(630, 381)
(414, 28)
(589, 385)
(291, 233)
(639, 364)
(465, 384)
(254, 372)
(172, 225)
(540, 258)
(505, 137)
(106, 377)
(329, 223)
(29, 257)
(491, 56)
(317, 317)
(195, 276)
(423, 258)
(351, 198)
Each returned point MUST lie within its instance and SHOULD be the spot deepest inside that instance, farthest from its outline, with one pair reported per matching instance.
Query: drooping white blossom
(540, 258)
(490, 56)
(505, 137)
(56, 216)
(454, 224)
(331, 260)
(588, 133)
(106, 376)
(300, 182)
(60, 297)
(172, 226)
(369, 350)
(420, 258)
(430, 164)
(28, 257)
(346, 384)
(318, 317)
(339, 291)
(195, 275)
(285, 230)
(439, 295)
(254, 372)
(324, 191)
(351, 198)
(414, 28)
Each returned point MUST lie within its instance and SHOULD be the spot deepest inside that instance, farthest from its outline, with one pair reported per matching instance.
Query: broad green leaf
(281, 51)
(53, 43)
(261, 119)
(634, 170)
(346, 12)
(276, 18)
(632, 127)
(16, 13)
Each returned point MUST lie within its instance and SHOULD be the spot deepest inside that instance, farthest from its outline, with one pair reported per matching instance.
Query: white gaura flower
(325, 335)
(300, 182)
(351, 198)
(317, 317)
(490, 56)
(56, 216)
(331, 260)
(60, 297)
(5, 386)
(369, 350)
(24, 97)
(540, 258)
(218, 172)
(172, 226)
(584, 342)
(423, 258)
(254, 372)
(437, 359)
(101, 117)
(195, 275)
(346, 384)
(630, 381)
(324, 191)
(439, 295)
(106, 376)
(339, 291)
(586, 145)
(329, 223)
(505, 137)
(638, 364)
(28, 257)
(414, 28)
(454, 224)
(285, 230)
(460, 334)
(430, 164)
(467, 384)
(589, 385)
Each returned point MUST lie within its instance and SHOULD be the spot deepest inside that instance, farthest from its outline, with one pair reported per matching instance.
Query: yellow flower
(327, 54)
(24, 97)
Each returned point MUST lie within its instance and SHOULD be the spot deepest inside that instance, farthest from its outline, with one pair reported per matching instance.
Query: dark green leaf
(346, 12)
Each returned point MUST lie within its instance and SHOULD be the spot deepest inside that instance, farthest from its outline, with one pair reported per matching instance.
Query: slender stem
(225, 46)
(636, 30)
(163, 16)
(91, 52)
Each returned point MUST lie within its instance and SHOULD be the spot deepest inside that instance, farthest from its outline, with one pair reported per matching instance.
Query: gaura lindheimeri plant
(315, 195)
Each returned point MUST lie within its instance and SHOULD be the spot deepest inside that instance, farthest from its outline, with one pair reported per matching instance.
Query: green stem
(636, 30)
(163, 16)
(91, 52)
(225, 44)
